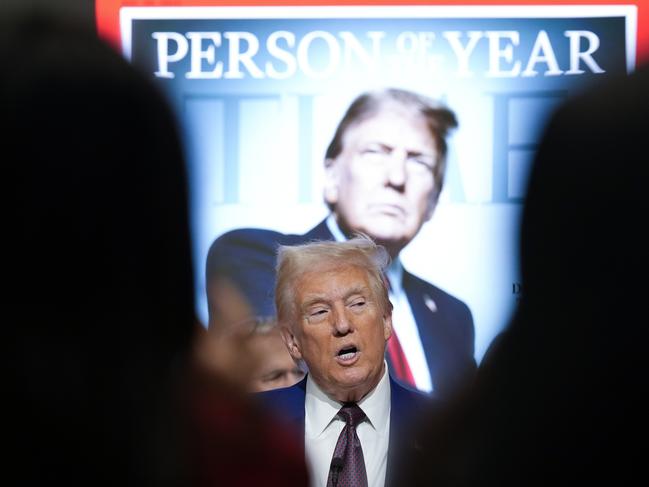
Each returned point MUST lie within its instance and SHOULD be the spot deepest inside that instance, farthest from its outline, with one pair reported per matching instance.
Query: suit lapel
(396, 423)
(402, 409)
(297, 408)
(319, 232)
(422, 306)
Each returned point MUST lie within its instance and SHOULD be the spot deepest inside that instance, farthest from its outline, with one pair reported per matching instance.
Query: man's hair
(439, 119)
(294, 261)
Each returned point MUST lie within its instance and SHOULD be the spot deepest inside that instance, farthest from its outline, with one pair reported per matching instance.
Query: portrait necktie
(348, 464)
(397, 357)
(399, 362)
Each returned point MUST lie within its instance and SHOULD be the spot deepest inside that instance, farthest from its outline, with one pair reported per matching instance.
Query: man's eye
(374, 150)
(359, 303)
(318, 313)
(422, 162)
(273, 376)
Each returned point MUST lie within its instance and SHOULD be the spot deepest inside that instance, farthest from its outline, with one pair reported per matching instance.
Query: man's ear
(291, 342)
(331, 182)
(387, 325)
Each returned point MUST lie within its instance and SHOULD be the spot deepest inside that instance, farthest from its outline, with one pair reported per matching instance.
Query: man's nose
(342, 323)
(396, 174)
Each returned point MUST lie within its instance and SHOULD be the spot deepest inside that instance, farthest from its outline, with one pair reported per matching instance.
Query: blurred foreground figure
(103, 388)
(559, 397)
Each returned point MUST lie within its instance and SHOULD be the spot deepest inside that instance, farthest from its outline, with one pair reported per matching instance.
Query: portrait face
(339, 330)
(382, 181)
(275, 368)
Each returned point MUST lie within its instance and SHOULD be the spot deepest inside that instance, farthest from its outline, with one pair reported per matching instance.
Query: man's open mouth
(347, 354)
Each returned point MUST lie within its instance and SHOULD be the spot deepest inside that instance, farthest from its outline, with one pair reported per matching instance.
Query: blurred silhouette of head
(98, 260)
(581, 248)
(576, 341)
(559, 396)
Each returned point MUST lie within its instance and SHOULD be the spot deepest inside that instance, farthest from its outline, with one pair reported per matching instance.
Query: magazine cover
(260, 91)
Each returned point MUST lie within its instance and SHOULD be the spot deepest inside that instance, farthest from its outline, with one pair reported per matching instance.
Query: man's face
(382, 182)
(274, 366)
(340, 331)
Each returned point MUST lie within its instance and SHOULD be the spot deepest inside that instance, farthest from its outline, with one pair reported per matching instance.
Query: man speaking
(384, 170)
(335, 315)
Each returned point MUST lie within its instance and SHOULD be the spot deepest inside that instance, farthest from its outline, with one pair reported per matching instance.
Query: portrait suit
(247, 257)
(406, 406)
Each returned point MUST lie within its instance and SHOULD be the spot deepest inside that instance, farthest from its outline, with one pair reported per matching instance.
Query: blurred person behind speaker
(245, 348)
(275, 366)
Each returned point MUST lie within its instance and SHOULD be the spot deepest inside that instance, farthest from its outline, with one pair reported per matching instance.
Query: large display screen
(259, 91)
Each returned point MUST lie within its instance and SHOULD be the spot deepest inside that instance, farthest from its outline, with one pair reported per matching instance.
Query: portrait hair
(439, 120)
(294, 261)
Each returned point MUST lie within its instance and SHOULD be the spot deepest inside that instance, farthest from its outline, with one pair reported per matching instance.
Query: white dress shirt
(322, 427)
(404, 325)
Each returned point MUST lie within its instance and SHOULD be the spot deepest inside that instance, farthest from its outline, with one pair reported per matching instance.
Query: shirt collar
(321, 410)
(395, 275)
(335, 230)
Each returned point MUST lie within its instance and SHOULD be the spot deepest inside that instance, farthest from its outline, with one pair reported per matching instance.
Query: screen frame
(107, 12)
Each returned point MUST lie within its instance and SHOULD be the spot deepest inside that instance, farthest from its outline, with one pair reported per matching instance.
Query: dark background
(83, 10)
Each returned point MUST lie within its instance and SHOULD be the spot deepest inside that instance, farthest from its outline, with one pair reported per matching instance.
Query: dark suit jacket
(247, 257)
(406, 406)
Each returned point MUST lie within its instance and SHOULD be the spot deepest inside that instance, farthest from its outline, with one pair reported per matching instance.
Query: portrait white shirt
(404, 325)
(322, 427)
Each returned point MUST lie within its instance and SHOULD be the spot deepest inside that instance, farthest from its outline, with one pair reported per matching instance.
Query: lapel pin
(430, 303)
